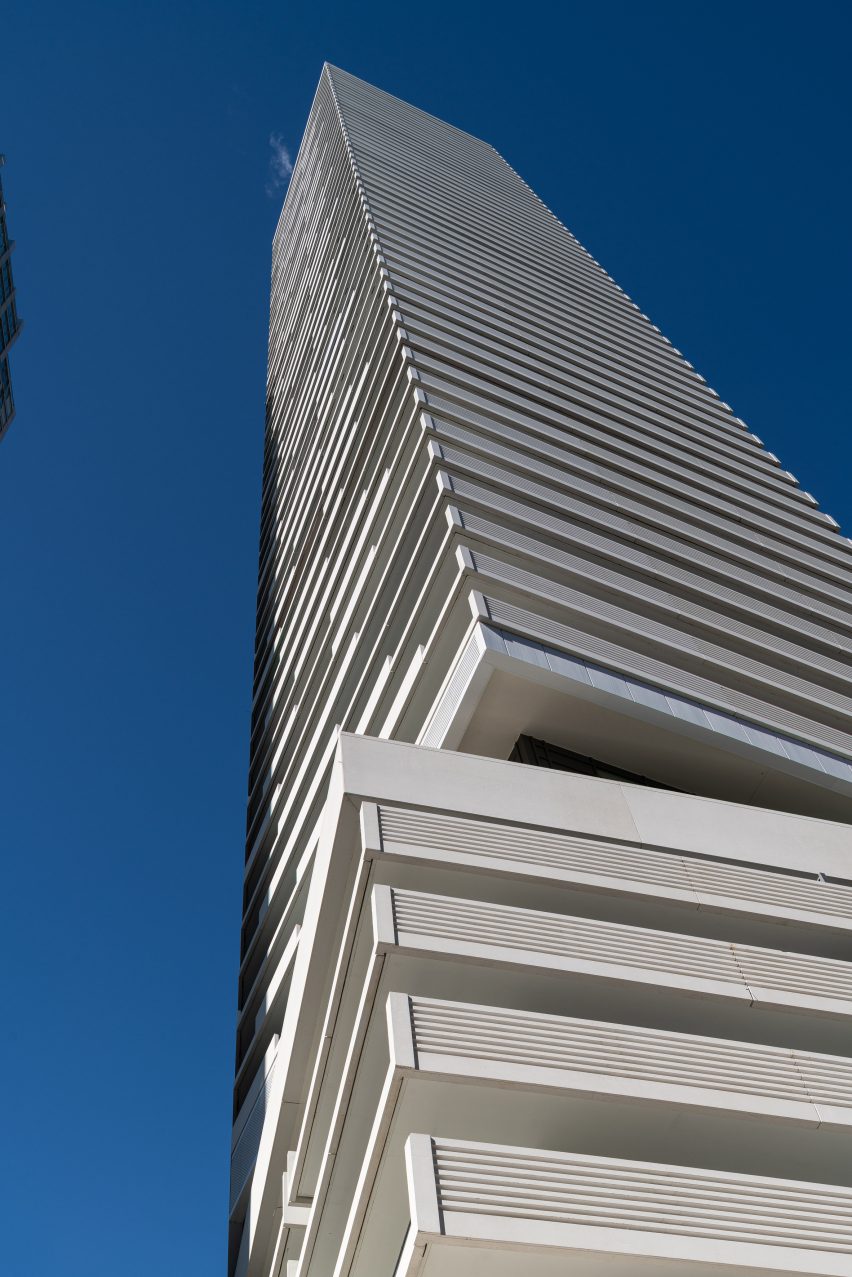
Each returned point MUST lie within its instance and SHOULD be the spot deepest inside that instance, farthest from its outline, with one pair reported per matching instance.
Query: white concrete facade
(497, 1017)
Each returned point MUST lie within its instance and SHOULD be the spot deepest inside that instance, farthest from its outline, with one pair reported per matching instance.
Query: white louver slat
(535, 1040)
(759, 974)
(530, 1184)
(409, 832)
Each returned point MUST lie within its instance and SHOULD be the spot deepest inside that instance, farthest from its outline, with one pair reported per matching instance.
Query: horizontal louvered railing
(565, 1188)
(534, 1040)
(406, 831)
(593, 946)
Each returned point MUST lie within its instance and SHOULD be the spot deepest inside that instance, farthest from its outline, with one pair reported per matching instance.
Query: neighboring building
(548, 890)
(10, 325)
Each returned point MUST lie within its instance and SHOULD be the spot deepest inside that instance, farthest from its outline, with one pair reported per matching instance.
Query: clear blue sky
(699, 151)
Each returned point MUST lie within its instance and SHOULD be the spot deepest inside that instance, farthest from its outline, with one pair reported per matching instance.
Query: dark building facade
(10, 325)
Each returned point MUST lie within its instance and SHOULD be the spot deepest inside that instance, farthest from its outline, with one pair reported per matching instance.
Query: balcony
(479, 933)
(597, 1058)
(688, 880)
(644, 976)
(503, 1068)
(481, 1209)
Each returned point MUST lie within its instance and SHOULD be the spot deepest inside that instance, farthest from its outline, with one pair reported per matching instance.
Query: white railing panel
(591, 945)
(409, 832)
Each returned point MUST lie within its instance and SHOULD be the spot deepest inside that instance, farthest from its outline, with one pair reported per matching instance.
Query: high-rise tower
(546, 952)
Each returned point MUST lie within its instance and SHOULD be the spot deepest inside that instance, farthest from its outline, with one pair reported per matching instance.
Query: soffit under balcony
(501, 686)
(512, 705)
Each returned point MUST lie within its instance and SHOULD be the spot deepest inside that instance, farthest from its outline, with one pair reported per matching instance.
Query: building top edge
(333, 72)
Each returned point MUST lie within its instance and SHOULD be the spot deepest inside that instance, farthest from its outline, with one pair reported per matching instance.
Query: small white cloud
(280, 165)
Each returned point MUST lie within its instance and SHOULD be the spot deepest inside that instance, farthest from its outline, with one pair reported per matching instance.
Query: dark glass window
(540, 753)
(8, 325)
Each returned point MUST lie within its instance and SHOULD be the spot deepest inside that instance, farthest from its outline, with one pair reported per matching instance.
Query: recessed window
(540, 753)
